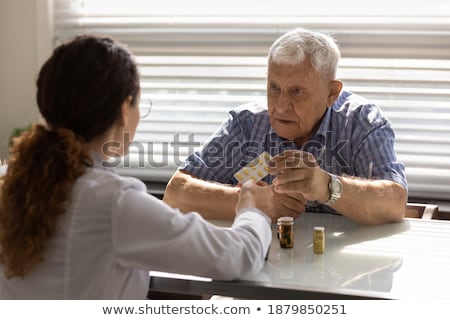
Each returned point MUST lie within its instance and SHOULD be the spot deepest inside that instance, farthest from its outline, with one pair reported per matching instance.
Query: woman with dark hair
(71, 228)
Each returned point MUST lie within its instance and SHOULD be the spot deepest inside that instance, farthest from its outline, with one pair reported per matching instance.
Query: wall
(18, 66)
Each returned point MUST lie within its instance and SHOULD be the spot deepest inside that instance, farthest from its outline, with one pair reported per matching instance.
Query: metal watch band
(335, 188)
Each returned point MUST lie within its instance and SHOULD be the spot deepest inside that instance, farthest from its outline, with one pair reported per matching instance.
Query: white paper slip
(256, 169)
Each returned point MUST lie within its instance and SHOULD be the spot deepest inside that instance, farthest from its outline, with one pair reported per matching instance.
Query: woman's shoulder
(107, 184)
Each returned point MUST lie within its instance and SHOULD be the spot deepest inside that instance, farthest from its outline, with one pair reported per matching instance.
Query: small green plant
(17, 132)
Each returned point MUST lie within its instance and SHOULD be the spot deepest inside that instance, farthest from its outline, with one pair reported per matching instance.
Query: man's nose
(284, 104)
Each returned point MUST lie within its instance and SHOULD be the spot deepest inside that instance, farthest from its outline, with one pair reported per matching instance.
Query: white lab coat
(113, 233)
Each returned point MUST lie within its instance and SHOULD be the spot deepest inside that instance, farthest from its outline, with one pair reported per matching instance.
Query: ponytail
(34, 191)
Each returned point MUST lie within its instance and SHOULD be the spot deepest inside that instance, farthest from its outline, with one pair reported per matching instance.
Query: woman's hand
(263, 197)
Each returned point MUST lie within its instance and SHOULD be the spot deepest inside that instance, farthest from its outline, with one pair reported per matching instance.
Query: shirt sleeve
(219, 157)
(150, 235)
(375, 155)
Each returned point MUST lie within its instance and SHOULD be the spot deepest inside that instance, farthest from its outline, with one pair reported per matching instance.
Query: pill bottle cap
(285, 220)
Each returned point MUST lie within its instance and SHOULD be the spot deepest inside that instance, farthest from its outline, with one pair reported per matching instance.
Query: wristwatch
(335, 188)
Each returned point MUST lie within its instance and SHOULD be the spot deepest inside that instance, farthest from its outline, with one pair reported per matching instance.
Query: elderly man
(332, 150)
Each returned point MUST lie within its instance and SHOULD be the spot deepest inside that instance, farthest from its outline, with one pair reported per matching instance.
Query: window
(199, 59)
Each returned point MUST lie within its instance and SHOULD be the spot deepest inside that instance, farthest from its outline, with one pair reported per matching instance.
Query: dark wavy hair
(80, 91)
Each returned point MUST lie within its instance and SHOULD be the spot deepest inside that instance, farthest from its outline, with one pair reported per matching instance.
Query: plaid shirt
(356, 138)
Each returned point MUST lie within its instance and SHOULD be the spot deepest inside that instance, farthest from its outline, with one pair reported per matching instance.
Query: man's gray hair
(293, 46)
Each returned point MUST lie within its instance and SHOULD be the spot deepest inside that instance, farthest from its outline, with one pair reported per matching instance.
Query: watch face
(336, 185)
(335, 188)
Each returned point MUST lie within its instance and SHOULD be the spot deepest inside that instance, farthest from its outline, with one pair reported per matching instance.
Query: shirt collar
(325, 124)
(99, 162)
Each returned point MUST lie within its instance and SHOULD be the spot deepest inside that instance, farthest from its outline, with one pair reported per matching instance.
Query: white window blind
(198, 59)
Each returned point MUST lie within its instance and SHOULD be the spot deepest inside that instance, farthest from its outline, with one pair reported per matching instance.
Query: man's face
(298, 97)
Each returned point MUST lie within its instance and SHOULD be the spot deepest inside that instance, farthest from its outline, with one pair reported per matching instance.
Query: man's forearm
(372, 202)
(211, 200)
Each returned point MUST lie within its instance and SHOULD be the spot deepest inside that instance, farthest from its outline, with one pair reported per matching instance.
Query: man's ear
(125, 112)
(335, 89)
